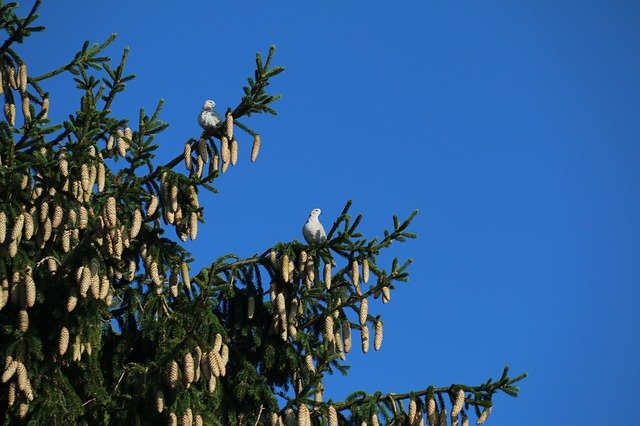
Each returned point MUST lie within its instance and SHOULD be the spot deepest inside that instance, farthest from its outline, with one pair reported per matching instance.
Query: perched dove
(313, 230)
(208, 117)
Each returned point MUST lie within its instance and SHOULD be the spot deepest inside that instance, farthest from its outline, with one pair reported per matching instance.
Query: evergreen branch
(486, 389)
(253, 101)
(82, 57)
(19, 33)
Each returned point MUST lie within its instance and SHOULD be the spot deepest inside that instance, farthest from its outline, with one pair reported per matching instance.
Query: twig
(259, 414)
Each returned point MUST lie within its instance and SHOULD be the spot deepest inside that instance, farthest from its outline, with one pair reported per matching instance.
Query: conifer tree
(102, 319)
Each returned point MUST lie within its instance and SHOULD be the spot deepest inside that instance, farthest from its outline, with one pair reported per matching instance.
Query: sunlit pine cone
(30, 290)
(327, 275)
(85, 281)
(355, 274)
(23, 320)
(284, 267)
(63, 341)
(224, 354)
(43, 212)
(29, 227)
(188, 163)
(102, 176)
(432, 413)
(484, 416)
(160, 401)
(377, 335)
(26, 108)
(173, 419)
(21, 375)
(275, 420)
(364, 338)
(304, 418)
(66, 240)
(214, 363)
(333, 416)
(10, 366)
(199, 166)
(364, 311)
(337, 338)
(328, 328)
(458, 404)
(10, 75)
(255, 148)
(153, 205)
(365, 270)
(413, 411)
(374, 420)
(197, 420)
(187, 417)
(184, 269)
(224, 149)
(3, 226)
(111, 141)
(281, 306)
(224, 167)
(217, 342)
(346, 335)
(193, 225)
(136, 223)
(215, 163)
(122, 145)
(229, 125)
(386, 294)
(302, 260)
(251, 307)
(11, 394)
(72, 300)
(172, 374)
(128, 134)
(10, 113)
(189, 369)
(308, 360)
(45, 108)
(104, 287)
(84, 217)
(18, 225)
(22, 78)
(110, 216)
(52, 263)
(4, 293)
(197, 359)
(23, 409)
(233, 151)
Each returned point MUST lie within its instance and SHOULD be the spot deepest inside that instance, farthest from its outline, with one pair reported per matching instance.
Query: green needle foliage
(103, 322)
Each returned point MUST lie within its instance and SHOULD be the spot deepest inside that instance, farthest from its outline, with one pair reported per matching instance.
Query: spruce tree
(103, 321)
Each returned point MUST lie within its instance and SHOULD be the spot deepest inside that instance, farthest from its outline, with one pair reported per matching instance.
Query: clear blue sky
(513, 126)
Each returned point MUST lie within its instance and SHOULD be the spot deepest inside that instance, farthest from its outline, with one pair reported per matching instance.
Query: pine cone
(255, 149)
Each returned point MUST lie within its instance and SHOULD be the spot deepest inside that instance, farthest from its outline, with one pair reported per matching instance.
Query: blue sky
(512, 126)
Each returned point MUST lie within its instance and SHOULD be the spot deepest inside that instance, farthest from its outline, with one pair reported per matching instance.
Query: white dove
(208, 117)
(313, 231)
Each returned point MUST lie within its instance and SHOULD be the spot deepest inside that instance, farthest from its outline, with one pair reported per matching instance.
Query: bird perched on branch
(208, 117)
(313, 231)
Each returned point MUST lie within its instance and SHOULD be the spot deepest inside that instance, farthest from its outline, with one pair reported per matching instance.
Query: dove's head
(315, 213)
(209, 105)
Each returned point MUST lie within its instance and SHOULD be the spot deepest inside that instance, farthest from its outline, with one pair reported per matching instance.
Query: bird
(313, 231)
(208, 117)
